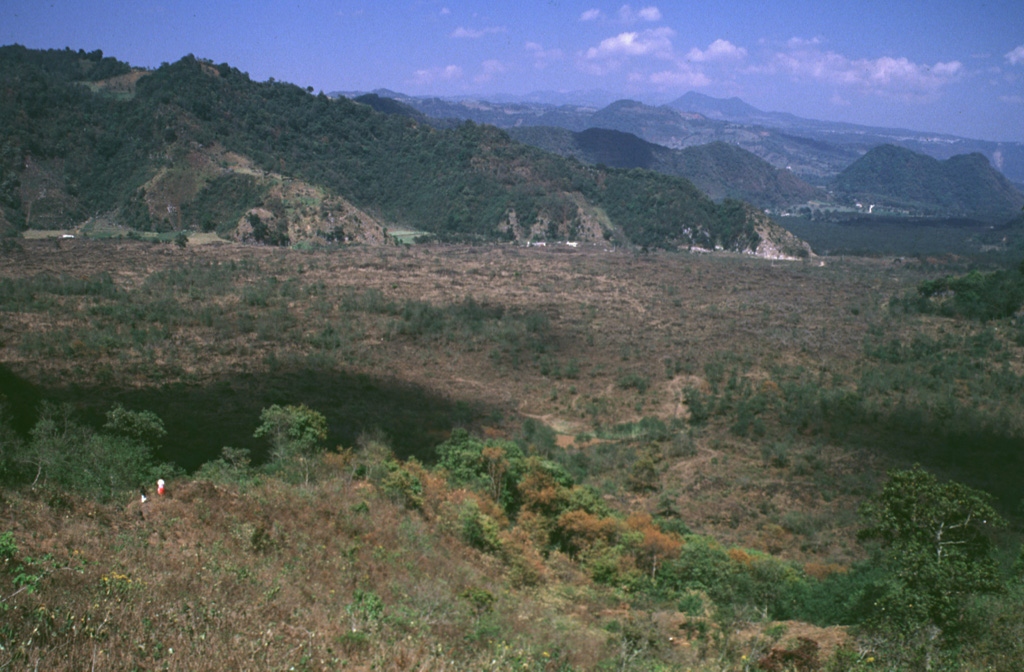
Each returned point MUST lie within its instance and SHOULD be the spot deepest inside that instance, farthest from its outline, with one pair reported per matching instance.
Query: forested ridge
(99, 149)
(963, 185)
(721, 170)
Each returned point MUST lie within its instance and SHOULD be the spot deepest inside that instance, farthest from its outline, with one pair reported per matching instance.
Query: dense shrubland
(319, 558)
(976, 295)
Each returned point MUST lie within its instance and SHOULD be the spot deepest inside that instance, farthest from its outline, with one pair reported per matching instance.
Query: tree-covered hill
(965, 185)
(196, 145)
(503, 115)
(391, 106)
(719, 169)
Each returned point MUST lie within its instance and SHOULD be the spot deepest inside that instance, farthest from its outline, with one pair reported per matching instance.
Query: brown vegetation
(696, 389)
(628, 336)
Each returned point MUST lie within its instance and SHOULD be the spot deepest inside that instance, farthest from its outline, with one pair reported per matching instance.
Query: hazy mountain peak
(715, 108)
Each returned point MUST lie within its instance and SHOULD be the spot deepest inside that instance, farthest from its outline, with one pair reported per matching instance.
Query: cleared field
(749, 407)
(763, 372)
(408, 236)
(43, 234)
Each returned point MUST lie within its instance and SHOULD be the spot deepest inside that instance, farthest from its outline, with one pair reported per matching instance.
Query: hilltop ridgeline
(719, 169)
(198, 146)
(814, 150)
(961, 185)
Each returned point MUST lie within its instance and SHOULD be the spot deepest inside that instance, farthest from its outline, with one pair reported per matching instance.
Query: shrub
(634, 381)
(937, 547)
(775, 453)
(296, 433)
(403, 487)
(699, 404)
(478, 529)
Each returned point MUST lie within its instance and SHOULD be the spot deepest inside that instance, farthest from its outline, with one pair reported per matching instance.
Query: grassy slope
(270, 576)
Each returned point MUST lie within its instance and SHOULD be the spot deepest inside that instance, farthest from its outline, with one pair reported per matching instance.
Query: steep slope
(724, 170)
(963, 185)
(719, 169)
(199, 145)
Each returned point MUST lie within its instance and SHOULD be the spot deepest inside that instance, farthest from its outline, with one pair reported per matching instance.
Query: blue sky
(953, 67)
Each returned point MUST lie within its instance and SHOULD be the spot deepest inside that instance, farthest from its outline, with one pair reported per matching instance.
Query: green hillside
(721, 170)
(200, 146)
(963, 185)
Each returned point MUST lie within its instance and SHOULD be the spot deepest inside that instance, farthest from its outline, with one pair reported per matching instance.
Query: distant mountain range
(964, 185)
(815, 150)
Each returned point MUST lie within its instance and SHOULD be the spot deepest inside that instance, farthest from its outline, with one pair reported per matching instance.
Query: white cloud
(1013, 100)
(1016, 57)
(474, 34)
(591, 15)
(650, 14)
(430, 75)
(656, 42)
(798, 42)
(719, 50)
(897, 77)
(627, 15)
(445, 11)
(488, 69)
(541, 56)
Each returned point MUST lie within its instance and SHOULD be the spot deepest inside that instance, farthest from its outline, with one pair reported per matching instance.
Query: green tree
(462, 457)
(493, 467)
(936, 546)
(112, 465)
(55, 442)
(294, 432)
(143, 427)
(61, 453)
(403, 487)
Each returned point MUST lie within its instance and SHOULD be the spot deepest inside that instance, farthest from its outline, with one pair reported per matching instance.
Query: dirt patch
(828, 639)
